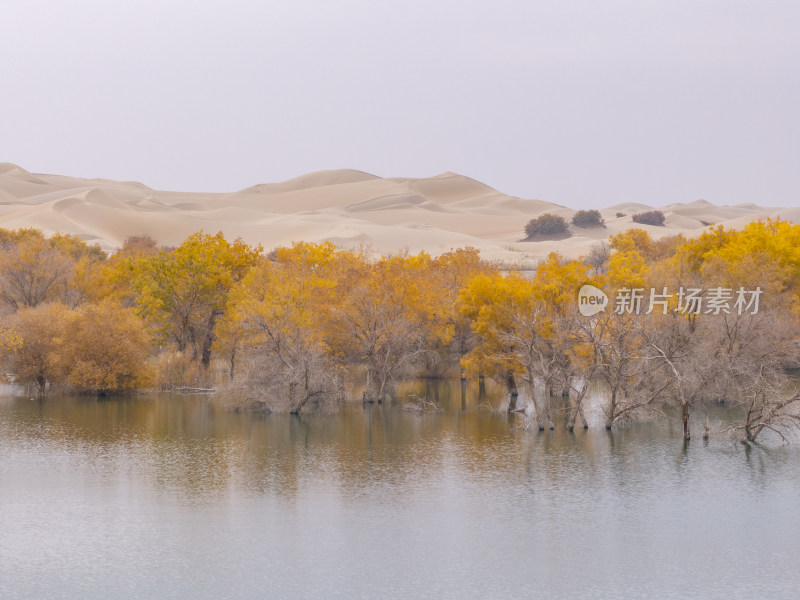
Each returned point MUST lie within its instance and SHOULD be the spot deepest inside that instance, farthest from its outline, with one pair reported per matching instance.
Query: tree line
(292, 324)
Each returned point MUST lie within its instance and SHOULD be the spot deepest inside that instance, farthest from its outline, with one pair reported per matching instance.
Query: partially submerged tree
(97, 347)
(500, 309)
(678, 355)
(450, 273)
(276, 316)
(29, 339)
(752, 351)
(770, 403)
(527, 331)
(104, 348)
(388, 316)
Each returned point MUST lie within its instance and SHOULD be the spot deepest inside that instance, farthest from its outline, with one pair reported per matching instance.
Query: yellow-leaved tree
(765, 254)
(276, 317)
(32, 270)
(103, 348)
(529, 329)
(387, 316)
(28, 340)
(183, 293)
(450, 273)
(504, 314)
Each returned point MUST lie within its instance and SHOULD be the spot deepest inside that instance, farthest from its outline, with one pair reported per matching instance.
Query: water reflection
(170, 496)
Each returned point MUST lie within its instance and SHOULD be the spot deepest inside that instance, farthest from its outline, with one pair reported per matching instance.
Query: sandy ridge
(348, 207)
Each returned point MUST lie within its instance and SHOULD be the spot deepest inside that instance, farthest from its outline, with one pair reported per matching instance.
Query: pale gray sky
(579, 102)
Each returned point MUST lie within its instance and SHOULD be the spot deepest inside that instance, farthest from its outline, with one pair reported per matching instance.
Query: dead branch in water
(421, 404)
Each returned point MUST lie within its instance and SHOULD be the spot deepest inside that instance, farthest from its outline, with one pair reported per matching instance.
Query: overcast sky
(584, 103)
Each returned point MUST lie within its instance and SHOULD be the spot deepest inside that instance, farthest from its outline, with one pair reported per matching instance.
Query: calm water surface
(172, 497)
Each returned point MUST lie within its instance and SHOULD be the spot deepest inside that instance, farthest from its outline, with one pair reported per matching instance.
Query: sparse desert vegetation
(588, 218)
(546, 225)
(651, 217)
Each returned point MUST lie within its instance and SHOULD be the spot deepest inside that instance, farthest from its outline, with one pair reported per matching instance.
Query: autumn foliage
(291, 325)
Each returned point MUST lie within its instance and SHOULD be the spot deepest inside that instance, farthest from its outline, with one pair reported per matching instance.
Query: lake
(167, 496)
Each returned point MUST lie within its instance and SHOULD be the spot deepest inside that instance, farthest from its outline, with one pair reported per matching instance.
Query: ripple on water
(170, 496)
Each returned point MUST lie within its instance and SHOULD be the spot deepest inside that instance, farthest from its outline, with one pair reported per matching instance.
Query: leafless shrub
(752, 352)
(420, 404)
(770, 404)
(598, 256)
(306, 384)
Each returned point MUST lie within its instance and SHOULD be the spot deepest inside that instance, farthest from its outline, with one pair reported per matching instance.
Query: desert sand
(350, 208)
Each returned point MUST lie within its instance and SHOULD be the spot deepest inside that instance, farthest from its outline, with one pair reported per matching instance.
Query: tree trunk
(382, 389)
(612, 409)
(576, 393)
(208, 339)
(539, 391)
(548, 407)
(513, 393)
(511, 383)
(41, 384)
(583, 416)
(685, 416)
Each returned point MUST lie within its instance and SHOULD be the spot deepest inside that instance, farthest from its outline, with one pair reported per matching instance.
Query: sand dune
(313, 180)
(350, 208)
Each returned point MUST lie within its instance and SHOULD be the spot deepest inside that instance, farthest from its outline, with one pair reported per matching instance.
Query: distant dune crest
(349, 207)
(312, 180)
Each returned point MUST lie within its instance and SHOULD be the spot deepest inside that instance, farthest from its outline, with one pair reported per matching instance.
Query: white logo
(591, 300)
